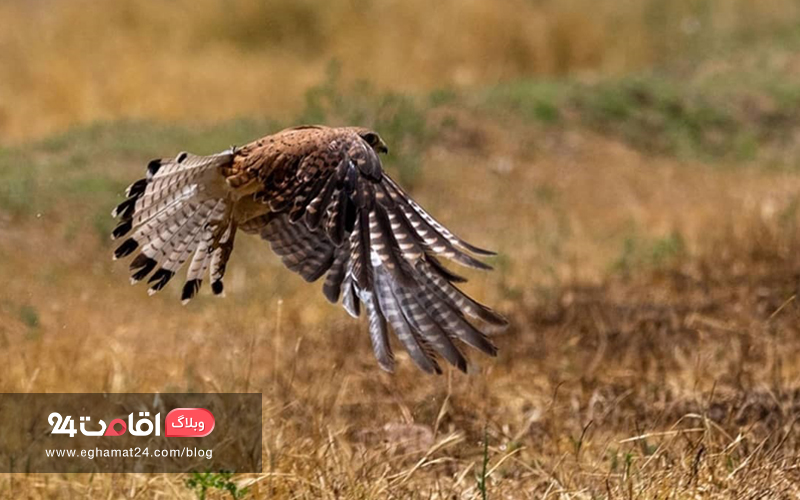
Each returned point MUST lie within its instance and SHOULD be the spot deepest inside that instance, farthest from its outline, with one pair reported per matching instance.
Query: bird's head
(372, 138)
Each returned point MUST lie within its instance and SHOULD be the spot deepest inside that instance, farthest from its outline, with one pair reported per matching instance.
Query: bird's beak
(382, 148)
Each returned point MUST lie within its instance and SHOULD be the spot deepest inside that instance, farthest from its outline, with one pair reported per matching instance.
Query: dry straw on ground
(679, 382)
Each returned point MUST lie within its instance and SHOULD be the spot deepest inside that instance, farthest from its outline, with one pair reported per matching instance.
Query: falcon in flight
(321, 198)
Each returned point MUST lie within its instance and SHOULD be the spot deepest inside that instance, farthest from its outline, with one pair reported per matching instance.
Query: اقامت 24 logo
(180, 422)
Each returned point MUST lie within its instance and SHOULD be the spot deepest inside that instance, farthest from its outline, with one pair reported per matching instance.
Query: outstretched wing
(335, 213)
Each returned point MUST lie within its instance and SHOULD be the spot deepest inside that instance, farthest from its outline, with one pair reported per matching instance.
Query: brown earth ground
(654, 350)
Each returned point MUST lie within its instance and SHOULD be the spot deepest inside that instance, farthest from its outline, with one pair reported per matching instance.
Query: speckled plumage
(320, 197)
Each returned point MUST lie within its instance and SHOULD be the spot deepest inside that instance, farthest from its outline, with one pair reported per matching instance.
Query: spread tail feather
(180, 211)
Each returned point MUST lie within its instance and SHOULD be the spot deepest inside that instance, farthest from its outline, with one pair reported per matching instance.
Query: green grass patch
(640, 251)
(29, 316)
(201, 483)
(736, 107)
(538, 100)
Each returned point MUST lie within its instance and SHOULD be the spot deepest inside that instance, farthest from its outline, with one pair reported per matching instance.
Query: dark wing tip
(331, 293)
(153, 167)
(476, 250)
(142, 265)
(443, 271)
(190, 289)
(477, 264)
(490, 349)
(125, 209)
(159, 280)
(462, 364)
(122, 229)
(494, 318)
(126, 248)
(136, 189)
(429, 364)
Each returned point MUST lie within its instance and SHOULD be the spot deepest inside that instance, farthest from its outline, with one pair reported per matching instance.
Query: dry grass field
(644, 200)
(64, 62)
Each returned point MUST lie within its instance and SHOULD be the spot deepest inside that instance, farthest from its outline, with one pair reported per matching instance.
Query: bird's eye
(371, 138)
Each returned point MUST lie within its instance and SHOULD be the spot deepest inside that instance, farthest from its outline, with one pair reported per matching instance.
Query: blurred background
(78, 61)
(636, 164)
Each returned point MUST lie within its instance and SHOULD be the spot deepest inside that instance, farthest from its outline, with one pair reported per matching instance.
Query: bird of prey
(321, 198)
